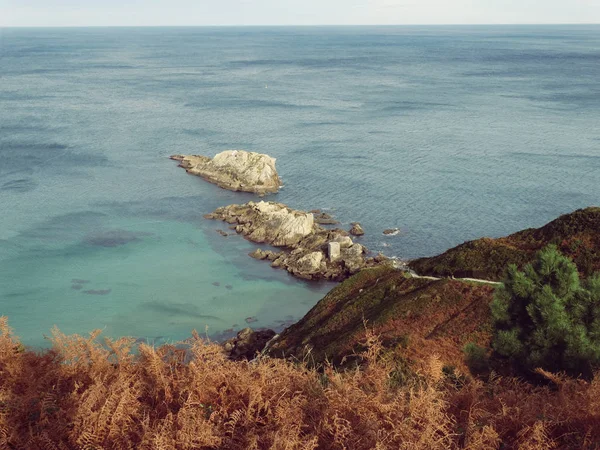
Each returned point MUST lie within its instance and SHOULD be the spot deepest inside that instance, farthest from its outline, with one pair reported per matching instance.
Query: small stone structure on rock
(333, 251)
(236, 170)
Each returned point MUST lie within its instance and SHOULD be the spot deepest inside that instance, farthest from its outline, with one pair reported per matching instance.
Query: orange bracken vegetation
(84, 395)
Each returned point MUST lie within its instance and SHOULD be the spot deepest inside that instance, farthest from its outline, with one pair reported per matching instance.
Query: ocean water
(448, 133)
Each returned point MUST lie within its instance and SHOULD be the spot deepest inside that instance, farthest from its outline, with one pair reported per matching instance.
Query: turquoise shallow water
(155, 280)
(449, 133)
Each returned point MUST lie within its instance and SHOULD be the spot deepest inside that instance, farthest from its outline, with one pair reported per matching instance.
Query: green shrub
(476, 358)
(545, 317)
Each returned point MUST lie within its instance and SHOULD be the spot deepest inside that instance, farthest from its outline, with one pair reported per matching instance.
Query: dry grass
(84, 395)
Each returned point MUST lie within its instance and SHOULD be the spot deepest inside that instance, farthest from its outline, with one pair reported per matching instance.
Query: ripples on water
(448, 133)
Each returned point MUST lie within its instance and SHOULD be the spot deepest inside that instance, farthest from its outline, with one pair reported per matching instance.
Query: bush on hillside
(545, 317)
(85, 395)
(476, 358)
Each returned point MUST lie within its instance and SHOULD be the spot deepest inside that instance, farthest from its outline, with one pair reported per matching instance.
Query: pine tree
(546, 317)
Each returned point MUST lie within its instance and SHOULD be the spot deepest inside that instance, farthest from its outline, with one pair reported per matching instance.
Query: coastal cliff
(236, 170)
(386, 360)
(413, 317)
(576, 234)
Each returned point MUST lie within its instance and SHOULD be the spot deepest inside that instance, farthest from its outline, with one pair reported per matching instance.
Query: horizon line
(304, 25)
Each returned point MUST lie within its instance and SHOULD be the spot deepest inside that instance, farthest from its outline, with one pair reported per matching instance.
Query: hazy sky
(293, 12)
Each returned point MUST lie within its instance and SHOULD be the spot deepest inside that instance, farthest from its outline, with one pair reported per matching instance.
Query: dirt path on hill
(475, 280)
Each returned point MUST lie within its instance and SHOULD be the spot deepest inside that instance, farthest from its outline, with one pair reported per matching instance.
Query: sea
(448, 133)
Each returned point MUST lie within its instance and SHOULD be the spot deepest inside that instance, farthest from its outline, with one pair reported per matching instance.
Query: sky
(293, 12)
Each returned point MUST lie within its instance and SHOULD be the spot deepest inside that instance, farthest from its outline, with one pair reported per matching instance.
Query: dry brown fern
(84, 394)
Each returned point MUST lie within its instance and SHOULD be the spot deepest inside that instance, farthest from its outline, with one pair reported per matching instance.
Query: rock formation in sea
(309, 251)
(322, 218)
(236, 170)
(247, 344)
(357, 229)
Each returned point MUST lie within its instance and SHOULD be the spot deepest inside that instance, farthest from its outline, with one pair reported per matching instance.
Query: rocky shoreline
(299, 241)
(429, 310)
(309, 251)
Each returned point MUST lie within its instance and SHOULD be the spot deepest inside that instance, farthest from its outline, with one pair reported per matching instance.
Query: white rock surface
(344, 241)
(269, 222)
(353, 258)
(311, 263)
(236, 170)
(286, 226)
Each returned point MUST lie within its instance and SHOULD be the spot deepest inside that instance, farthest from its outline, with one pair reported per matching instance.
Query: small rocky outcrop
(391, 231)
(309, 251)
(310, 263)
(247, 344)
(261, 254)
(236, 170)
(322, 218)
(357, 229)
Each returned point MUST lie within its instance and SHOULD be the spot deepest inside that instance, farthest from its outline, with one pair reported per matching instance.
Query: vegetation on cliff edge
(577, 235)
(416, 317)
(545, 317)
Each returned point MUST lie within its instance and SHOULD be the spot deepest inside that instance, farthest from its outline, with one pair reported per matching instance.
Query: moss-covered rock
(577, 235)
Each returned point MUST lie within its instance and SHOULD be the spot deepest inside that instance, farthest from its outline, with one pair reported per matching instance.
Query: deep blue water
(449, 133)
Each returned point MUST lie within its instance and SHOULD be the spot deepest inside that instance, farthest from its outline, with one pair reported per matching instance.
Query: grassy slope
(416, 316)
(577, 235)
